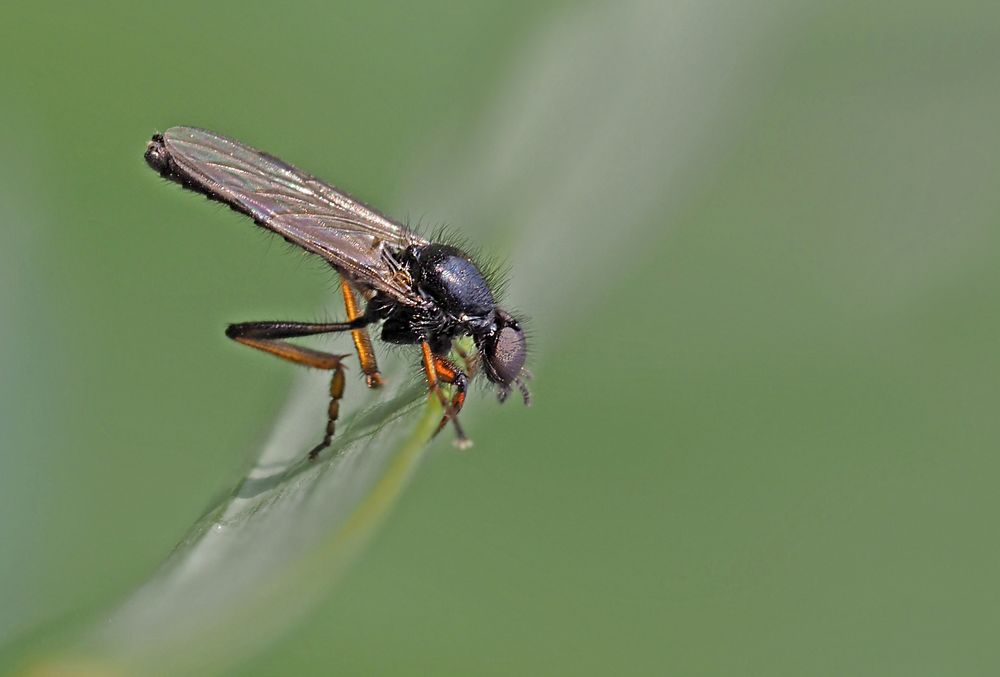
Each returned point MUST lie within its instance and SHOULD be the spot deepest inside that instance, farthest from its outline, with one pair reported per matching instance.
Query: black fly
(424, 293)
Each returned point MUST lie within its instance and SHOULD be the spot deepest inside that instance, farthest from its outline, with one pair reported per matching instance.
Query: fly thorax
(447, 276)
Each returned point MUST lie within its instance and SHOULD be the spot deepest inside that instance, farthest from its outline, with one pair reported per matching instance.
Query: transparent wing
(301, 208)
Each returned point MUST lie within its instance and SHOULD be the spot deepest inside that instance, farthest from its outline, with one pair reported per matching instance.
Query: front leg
(431, 363)
(448, 372)
(471, 362)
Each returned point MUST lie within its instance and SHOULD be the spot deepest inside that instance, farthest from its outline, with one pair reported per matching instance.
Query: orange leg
(362, 342)
(471, 362)
(450, 374)
(266, 336)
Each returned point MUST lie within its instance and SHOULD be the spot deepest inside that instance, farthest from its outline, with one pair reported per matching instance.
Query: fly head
(504, 352)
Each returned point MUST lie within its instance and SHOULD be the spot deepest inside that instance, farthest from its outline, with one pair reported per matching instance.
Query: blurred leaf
(264, 555)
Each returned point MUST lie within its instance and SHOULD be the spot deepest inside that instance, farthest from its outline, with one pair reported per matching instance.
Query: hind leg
(268, 337)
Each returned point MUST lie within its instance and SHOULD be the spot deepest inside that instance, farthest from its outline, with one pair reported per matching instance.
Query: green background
(759, 245)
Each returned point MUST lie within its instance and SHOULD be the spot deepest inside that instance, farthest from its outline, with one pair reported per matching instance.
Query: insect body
(424, 293)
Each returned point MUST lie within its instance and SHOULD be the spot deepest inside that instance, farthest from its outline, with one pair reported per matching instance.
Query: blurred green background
(759, 245)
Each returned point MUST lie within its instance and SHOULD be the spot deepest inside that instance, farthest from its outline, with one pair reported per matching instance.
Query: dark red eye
(506, 354)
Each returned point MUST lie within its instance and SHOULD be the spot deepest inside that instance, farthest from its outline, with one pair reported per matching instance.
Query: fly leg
(471, 362)
(362, 342)
(269, 337)
(450, 412)
(448, 372)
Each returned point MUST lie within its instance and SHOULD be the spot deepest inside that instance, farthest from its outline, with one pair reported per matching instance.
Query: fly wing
(301, 208)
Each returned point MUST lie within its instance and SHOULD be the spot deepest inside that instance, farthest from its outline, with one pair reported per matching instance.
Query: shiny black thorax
(458, 301)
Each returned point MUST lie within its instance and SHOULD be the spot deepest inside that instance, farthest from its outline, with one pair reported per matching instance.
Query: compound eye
(507, 354)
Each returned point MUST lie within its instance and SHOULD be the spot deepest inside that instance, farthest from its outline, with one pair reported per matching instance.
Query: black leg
(266, 336)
